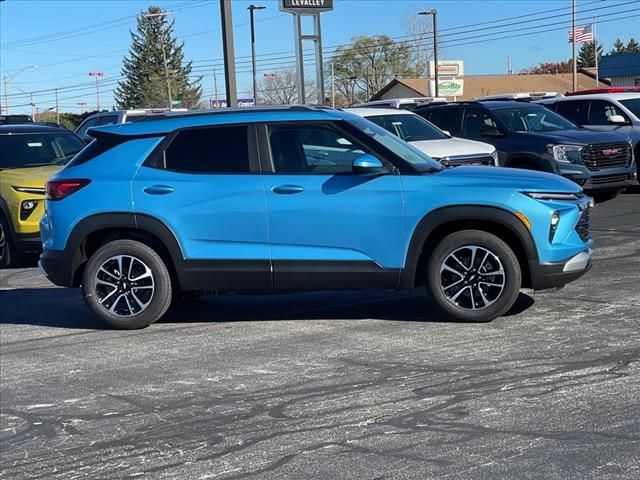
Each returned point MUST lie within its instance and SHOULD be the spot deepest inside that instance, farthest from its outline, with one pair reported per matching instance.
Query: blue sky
(78, 36)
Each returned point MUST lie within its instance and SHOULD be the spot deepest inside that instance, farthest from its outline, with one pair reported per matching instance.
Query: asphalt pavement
(330, 385)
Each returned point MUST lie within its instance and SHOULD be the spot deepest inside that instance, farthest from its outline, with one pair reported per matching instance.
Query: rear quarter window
(449, 119)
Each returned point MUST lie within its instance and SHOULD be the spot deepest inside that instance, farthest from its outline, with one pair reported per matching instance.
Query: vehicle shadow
(65, 308)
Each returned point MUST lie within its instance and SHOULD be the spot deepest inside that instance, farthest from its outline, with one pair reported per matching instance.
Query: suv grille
(606, 155)
(583, 226)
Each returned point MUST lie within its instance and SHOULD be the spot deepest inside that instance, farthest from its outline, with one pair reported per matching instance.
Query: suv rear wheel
(9, 255)
(473, 276)
(127, 284)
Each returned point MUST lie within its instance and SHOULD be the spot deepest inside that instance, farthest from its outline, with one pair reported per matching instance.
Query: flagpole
(573, 46)
(595, 51)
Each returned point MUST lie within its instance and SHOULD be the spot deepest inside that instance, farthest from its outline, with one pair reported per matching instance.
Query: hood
(34, 177)
(580, 136)
(451, 147)
(502, 177)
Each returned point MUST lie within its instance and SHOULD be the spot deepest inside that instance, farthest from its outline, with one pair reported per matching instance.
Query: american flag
(583, 34)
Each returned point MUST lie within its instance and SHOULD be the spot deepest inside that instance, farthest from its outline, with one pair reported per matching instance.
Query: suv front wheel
(473, 276)
(127, 284)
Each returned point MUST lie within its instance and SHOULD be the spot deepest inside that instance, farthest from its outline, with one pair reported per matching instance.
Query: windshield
(532, 119)
(410, 128)
(402, 149)
(19, 150)
(632, 104)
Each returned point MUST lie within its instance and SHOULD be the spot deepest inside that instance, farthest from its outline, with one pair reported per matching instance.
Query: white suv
(424, 135)
(119, 116)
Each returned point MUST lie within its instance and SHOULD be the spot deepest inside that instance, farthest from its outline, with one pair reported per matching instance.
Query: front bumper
(28, 242)
(555, 275)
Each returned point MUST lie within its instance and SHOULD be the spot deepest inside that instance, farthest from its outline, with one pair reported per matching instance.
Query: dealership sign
(448, 68)
(308, 7)
(242, 102)
(447, 87)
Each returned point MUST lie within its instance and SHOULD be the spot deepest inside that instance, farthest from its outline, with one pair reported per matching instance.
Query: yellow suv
(29, 155)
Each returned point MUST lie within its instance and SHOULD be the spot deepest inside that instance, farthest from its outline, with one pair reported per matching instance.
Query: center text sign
(306, 6)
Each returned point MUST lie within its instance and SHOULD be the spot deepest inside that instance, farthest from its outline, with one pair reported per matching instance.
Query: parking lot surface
(362, 385)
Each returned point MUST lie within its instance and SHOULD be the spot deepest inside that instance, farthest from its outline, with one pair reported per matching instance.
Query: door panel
(338, 229)
(217, 213)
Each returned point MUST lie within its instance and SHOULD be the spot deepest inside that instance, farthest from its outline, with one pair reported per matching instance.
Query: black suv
(531, 136)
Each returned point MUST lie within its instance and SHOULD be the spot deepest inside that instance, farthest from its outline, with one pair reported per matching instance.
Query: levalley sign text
(306, 6)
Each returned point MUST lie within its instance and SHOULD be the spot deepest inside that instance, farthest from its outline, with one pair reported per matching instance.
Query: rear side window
(108, 120)
(449, 119)
(82, 130)
(209, 150)
(576, 111)
(97, 147)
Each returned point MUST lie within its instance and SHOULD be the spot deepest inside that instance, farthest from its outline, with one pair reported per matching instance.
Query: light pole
(7, 79)
(164, 53)
(97, 75)
(434, 12)
(81, 105)
(251, 8)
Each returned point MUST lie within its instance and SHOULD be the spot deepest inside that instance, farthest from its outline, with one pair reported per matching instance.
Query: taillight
(59, 189)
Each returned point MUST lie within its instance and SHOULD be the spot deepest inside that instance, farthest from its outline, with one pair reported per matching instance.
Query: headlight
(494, 155)
(554, 195)
(565, 153)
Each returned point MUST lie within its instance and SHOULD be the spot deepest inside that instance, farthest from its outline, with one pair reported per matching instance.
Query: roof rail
(604, 90)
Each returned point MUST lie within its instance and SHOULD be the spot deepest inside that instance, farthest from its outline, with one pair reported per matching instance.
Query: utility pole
(57, 110)
(509, 68)
(229, 53)
(434, 12)
(251, 8)
(164, 53)
(595, 51)
(97, 76)
(7, 79)
(33, 107)
(333, 86)
(573, 46)
(81, 105)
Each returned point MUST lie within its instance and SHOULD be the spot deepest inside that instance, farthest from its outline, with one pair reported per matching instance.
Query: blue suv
(299, 198)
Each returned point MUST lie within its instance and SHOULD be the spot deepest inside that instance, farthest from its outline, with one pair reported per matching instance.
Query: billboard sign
(242, 102)
(306, 7)
(448, 68)
(447, 87)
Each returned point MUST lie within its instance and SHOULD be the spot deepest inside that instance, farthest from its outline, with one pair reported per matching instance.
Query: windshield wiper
(60, 160)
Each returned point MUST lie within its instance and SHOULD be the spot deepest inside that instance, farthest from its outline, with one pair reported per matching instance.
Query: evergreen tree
(145, 78)
(618, 47)
(633, 46)
(586, 55)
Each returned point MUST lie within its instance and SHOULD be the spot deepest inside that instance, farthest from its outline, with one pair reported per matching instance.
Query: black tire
(489, 301)
(9, 254)
(130, 310)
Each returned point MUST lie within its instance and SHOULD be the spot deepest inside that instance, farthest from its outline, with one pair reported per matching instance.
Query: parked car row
(365, 198)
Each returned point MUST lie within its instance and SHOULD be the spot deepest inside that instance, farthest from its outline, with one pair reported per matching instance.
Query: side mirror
(447, 133)
(491, 132)
(617, 119)
(368, 164)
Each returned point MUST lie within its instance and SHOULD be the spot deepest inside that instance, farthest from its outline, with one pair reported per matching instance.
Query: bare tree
(279, 88)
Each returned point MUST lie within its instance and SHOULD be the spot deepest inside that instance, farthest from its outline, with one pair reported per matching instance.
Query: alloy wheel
(472, 277)
(3, 244)
(124, 285)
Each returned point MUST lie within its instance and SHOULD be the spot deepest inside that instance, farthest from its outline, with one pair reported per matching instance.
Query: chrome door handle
(287, 189)
(158, 189)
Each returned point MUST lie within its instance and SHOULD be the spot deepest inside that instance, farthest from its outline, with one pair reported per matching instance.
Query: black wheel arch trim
(103, 221)
(444, 215)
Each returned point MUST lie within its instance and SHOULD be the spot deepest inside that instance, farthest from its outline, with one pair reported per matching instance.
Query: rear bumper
(57, 267)
(554, 275)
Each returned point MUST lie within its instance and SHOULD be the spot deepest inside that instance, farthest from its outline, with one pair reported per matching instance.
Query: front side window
(601, 110)
(410, 128)
(209, 150)
(532, 119)
(37, 149)
(405, 151)
(311, 149)
(92, 122)
(476, 122)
